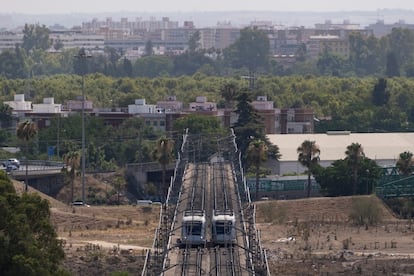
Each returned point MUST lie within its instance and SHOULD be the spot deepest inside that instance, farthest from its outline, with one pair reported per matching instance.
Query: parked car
(79, 203)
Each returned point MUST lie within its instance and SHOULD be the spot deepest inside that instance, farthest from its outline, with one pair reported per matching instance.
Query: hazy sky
(97, 6)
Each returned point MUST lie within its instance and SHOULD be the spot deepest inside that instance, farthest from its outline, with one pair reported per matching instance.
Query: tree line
(388, 56)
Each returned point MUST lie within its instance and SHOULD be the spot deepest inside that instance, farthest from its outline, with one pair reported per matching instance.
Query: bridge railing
(397, 188)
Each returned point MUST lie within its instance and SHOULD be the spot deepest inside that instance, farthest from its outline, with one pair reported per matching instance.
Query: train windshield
(223, 227)
(194, 228)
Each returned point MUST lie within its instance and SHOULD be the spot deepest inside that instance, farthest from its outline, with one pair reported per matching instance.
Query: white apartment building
(9, 41)
(19, 104)
(140, 107)
(77, 40)
(48, 106)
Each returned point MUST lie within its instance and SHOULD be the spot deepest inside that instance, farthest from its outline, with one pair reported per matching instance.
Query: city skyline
(77, 6)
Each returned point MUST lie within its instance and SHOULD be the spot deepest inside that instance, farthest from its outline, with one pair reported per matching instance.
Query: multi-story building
(201, 104)
(9, 40)
(296, 120)
(334, 44)
(380, 29)
(70, 40)
(270, 116)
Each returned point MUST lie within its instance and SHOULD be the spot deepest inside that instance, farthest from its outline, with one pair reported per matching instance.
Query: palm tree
(163, 153)
(256, 155)
(354, 155)
(405, 163)
(229, 93)
(72, 161)
(308, 156)
(26, 131)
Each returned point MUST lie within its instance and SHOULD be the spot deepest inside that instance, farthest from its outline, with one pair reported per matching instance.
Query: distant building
(76, 105)
(270, 115)
(48, 106)
(384, 148)
(170, 105)
(19, 104)
(201, 104)
(140, 107)
(381, 29)
(334, 44)
(296, 120)
(9, 40)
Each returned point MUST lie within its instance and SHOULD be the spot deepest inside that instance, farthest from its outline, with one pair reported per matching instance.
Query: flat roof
(376, 146)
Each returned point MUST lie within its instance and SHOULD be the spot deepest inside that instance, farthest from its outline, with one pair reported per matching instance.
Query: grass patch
(272, 213)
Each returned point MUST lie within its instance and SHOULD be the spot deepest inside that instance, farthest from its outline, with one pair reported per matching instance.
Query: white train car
(223, 227)
(193, 228)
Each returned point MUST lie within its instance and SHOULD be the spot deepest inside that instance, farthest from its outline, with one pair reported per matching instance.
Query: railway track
(208, 235)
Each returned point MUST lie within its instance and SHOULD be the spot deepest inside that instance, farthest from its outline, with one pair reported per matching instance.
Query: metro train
(223, 227)
(194, 228)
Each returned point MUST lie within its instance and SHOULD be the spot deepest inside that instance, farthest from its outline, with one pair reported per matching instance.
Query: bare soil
(301, 237)
(315, 237)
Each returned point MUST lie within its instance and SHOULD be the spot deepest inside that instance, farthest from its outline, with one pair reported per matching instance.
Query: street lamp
(82, 56)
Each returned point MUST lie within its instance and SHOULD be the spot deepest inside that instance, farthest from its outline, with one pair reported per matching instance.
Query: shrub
(365, 211)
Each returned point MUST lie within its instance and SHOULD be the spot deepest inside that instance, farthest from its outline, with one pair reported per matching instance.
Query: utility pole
(82, 56)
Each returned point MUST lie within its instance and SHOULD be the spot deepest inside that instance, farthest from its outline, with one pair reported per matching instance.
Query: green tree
(190, 62)
(72, 162)
(337, 179)
(5, 115)
(401, 43)
(354, 156)
(127, 68)
(331, 64)
(248, 126)
(405, 163)
(153, 66)
(256, 155)
(392, 68)
(149, 48)
(12, 64)
(308, 156)
(194, 42)
(251, 50)
(380, 94)
(81, 63)
(26, 131)
(164, 155)
(28, 241)
(198, 124)
(229, 93)
(36, 37)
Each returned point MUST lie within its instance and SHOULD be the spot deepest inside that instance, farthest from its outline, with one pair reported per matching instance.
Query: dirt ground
(301, 237)
(315, 237)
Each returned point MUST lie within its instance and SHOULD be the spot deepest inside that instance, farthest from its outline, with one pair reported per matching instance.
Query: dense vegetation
(28, 241)
(356, 104)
